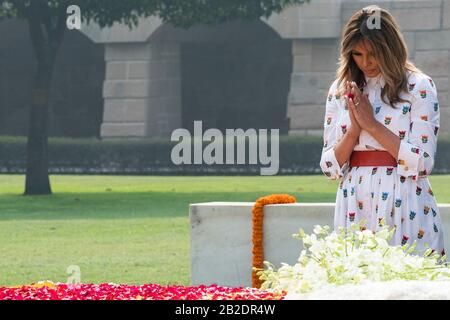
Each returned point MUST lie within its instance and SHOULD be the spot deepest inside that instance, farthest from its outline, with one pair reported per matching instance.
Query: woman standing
(380, 134)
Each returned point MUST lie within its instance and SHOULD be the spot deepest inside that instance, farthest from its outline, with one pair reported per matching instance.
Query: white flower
(351, 257)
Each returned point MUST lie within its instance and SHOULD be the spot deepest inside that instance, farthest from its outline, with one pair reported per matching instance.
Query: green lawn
(125, 229)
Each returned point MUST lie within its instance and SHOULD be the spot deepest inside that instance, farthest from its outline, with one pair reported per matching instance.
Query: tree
(47, 26)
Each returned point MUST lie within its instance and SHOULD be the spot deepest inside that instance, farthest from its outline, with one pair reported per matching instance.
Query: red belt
(372, 159)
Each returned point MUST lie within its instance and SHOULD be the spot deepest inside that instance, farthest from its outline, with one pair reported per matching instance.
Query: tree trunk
(37, 179)
(46, 33)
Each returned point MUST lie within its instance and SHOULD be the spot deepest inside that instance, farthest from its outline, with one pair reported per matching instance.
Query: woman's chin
(371, 74)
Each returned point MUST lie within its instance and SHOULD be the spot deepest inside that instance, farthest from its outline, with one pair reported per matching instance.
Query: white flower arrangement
(352, 256)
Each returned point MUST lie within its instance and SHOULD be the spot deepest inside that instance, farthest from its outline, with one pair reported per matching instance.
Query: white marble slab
(221, 237)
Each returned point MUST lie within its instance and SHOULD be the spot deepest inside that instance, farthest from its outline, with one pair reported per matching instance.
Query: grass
(125, 229)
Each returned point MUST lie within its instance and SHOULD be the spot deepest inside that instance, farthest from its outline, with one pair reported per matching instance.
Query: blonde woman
(380, 134)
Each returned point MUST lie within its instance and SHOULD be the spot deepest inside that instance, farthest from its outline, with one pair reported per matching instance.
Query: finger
(352, 107)
(353, 117)
(366, 97)
(347, 87)
(356, 91)
(355, 86)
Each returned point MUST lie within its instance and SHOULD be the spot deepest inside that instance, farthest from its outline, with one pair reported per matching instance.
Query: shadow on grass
(124, 205)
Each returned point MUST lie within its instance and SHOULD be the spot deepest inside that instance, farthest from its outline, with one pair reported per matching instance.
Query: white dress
(400, 197)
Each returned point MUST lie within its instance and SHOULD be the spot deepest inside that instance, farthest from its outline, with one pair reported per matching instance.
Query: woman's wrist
(372, 127)
(354, 133)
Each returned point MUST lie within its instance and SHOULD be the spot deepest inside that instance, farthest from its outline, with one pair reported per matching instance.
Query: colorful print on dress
(406, 109)
(424, 138)
(377, 110)
(426, 210)
(420, 234)
(434, 212)
(351, 216)
(398, 203)
(384, 196)
(405, 240)
(389, 171)
(401, 134)
(387, 120)
(418, 191)
(423, 93)
(412, 215)
(410, 86)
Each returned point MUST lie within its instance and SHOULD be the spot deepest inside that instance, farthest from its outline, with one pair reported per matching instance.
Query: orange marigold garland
(257, 238)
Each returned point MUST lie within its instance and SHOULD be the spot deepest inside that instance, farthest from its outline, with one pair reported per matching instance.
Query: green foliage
(181, 13)
(298, 155)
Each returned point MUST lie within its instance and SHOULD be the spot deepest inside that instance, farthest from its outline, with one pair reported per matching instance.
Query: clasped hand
(361, 114)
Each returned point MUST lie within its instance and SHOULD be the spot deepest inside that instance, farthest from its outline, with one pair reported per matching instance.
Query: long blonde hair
(388, 46)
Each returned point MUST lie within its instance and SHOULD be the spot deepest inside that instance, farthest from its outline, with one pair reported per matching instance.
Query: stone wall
(126, 89)
(209, 73)
(144, 87)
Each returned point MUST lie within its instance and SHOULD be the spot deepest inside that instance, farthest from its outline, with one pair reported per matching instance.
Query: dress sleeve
(416, 156)
(328, 163)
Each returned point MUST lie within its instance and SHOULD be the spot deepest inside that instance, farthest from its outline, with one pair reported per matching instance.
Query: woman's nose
(366, 62)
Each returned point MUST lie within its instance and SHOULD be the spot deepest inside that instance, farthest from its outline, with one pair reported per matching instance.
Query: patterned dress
(401, 196)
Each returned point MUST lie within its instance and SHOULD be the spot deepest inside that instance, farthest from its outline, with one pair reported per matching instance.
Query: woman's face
(364, 58)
